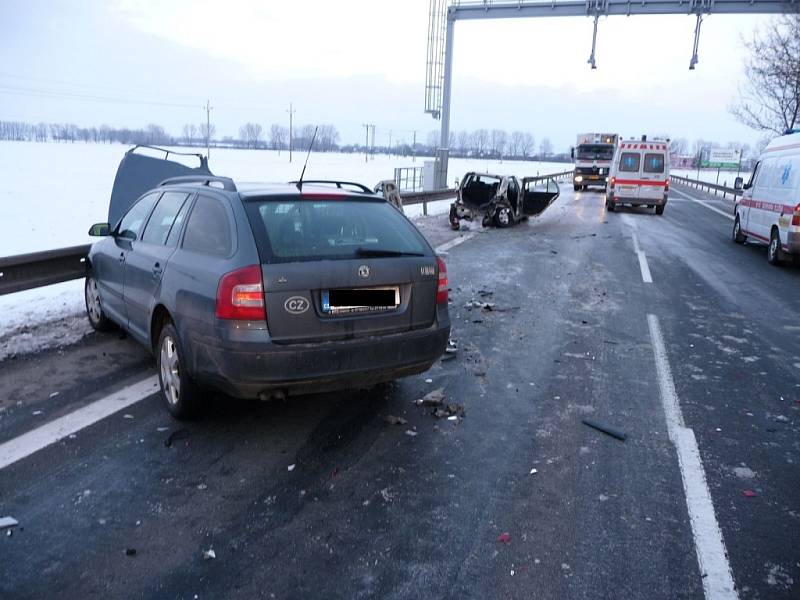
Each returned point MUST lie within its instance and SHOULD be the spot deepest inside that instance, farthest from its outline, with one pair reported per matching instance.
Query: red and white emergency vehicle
(639, 175)
(769, 209)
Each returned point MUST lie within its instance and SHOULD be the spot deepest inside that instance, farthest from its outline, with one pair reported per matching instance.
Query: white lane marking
(455, 242)
(41, 437)
(636, 248)
(712, 557)
(644, 267)
(706, 204)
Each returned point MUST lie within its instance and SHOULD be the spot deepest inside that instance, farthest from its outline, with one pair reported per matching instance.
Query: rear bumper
(624, 200)
(242, 364)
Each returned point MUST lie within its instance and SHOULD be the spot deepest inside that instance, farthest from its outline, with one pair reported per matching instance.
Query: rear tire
(660, 209)
(576, 187)
(738, 236)
(183, 398)
(94, 308)
(774, 252)
(610, 206)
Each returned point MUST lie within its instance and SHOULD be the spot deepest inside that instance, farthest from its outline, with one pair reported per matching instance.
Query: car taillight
(796, 216)
(240, 295)
(612, 182)
(441, 291)
(666, 185)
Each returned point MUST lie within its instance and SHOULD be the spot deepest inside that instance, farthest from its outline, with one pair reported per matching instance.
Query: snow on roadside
(42, 318)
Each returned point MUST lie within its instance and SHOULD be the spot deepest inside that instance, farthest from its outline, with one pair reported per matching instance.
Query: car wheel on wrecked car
(502, 218)
(181, 395)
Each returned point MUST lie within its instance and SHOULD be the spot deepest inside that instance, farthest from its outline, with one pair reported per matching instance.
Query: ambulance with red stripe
(769, 209)
(639, 175)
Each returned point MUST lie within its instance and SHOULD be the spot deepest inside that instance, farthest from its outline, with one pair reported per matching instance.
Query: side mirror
(99, 230)
(572, 153)
(738, 184)
(456, 184)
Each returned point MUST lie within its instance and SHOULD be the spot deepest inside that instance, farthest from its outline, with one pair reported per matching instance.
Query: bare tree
(480, 139)
(497, 141)
(278, 136)
(189, 133)
(207, 132)
(515, 143)
(527, 145)
(462, 141)
(250, 134)
(769, 100)
(545, 147)
(678, 146)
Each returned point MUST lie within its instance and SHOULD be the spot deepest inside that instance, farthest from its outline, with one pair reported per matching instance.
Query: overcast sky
(348, 62)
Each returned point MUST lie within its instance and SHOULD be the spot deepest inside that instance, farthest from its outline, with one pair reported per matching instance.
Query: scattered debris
(749, 494)
(553, 252)
(452, 418)
(202, 486)
(290, 468)
(450, 411)
(179, 434)
(209, 554)
(6, 522)
(615, 433)
(782, 419)
(411, 433)
(36, 413)
(434, 398)
(744, 472)
(127, 416)
(387, 497)
(54, 394)
(504, 538)
(162, 429)
(392, 420)
(429, 380)
(533, 472)
(130, 551)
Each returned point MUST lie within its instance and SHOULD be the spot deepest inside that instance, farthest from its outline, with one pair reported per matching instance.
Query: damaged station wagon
(501, 200)
(264, 290)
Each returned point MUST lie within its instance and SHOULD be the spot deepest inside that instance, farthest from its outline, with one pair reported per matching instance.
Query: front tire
(738, 236)
(182, 397)
(94, 308)
(503, 218)
(774, 252)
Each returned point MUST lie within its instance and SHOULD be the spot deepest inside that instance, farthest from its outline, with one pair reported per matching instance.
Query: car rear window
(629, 162)
(293, 229)
(653, 163)
(207, 230)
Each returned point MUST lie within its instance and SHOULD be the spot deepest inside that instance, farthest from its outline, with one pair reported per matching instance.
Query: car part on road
(178, 434)
(612, 431)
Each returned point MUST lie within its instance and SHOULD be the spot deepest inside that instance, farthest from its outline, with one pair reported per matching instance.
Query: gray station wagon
(268, 290)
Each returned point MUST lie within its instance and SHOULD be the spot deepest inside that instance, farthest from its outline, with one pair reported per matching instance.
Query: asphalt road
(582, 301)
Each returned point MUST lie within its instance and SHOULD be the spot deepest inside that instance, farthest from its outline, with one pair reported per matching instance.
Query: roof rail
(361, 188)
(206, 180)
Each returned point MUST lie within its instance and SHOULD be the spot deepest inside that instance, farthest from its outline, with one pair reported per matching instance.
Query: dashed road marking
(455, 242)
(41, 437)
(644, 267)
(712, 557)
(706, 204)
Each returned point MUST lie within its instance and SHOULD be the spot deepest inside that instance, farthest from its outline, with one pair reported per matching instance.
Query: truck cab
(593, 155)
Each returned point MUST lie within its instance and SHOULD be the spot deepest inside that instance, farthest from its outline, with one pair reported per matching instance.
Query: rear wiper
(382, 252)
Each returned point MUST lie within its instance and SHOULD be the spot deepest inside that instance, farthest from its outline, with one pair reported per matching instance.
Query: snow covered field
(53, 192)
(710, 175)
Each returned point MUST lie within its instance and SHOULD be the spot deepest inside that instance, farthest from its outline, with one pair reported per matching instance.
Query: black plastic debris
(612, 431)
(179, 434)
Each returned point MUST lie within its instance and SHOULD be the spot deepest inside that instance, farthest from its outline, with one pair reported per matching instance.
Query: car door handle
(157, 270)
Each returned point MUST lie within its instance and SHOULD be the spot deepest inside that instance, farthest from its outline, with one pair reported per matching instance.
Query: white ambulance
(639, 175)
(769, 209)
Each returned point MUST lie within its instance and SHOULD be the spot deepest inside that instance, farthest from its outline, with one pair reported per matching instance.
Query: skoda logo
(296, 305)
(363, 271)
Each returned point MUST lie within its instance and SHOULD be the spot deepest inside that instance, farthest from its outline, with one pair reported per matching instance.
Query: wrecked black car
(501, 200)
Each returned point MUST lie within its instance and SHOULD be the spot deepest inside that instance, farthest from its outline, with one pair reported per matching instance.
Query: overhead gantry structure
(444, 14)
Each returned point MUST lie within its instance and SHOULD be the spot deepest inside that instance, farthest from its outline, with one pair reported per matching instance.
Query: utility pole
(390, 143)
(208, 129)
(366, 127)
(414, 148)
(372, 145)
(291, 112)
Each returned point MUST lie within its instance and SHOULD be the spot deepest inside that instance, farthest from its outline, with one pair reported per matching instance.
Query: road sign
(722, 158)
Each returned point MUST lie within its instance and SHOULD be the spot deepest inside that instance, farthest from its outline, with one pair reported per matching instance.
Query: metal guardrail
(37, 269)
(706, 187)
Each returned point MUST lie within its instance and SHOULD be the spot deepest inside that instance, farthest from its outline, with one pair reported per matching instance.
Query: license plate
(627, 189)
(360, 300)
